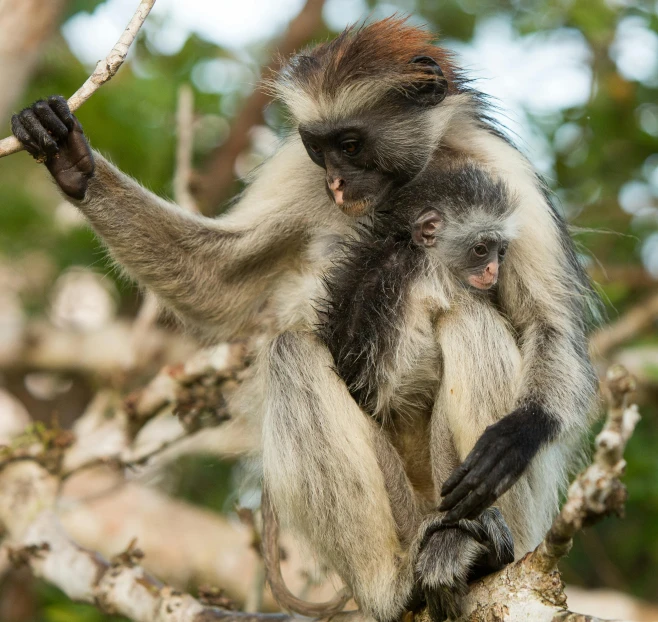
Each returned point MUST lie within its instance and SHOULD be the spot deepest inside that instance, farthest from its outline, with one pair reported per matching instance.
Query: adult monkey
(373, 109)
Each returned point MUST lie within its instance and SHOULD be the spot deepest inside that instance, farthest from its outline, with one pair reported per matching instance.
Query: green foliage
(203, 480)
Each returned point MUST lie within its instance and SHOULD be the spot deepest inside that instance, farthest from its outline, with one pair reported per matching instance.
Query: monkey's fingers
(472, 505)
(469, 474)
(470, 481)
(61, 108)
(443, 602)
(460, 472)
(495, 483)
(25, 138)
(50, 120)
(41, 143)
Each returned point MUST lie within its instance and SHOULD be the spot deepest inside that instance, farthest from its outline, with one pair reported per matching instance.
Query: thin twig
(105, 70)
(184, 145)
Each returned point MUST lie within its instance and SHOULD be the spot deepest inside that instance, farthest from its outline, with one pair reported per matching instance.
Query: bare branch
(121, 586)
(42, 345)
(105, 70)
(183, 172)
(597, 492)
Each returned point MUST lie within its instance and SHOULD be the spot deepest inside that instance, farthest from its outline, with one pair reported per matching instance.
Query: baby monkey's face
(482, 261)
(473, 255)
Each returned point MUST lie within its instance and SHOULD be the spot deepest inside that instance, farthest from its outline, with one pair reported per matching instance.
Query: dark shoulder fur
(367, 292)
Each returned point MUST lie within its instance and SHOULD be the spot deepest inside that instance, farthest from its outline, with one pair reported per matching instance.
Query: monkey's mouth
(483, 281)
(355, 208)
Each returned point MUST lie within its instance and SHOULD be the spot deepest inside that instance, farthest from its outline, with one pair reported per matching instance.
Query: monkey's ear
(426, 228)
(433, 87)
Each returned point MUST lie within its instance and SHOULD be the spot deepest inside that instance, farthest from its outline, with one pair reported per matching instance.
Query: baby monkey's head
(473, 254)
(468, 224)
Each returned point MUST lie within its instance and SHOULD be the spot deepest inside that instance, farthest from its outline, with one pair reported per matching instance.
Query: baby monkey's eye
(480, 250)
(351, 146)
(314, 147)
(502, 251)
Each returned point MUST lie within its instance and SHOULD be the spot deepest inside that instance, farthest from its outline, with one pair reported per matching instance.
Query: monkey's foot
(452, 555)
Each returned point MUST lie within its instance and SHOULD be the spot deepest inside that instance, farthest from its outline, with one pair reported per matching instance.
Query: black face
(348, 154)
(367, 156)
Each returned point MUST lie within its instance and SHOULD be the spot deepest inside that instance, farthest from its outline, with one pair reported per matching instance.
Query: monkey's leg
(481, 374)
(449, 556)
(326, 474)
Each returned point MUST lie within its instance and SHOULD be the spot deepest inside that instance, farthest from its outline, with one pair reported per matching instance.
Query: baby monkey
(458, 213)
(472, 253)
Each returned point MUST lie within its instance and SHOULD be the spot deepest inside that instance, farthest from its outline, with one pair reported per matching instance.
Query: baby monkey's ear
(426, 228)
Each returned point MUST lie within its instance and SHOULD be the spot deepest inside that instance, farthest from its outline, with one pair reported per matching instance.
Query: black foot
(451, 556)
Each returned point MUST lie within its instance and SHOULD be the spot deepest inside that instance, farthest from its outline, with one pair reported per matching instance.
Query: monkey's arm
(543, 292)
(214, 273)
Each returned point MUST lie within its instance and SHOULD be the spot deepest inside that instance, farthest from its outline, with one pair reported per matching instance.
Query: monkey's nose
(337, 186)
(492, 272)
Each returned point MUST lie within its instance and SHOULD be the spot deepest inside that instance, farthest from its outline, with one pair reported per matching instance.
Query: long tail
(272, 559)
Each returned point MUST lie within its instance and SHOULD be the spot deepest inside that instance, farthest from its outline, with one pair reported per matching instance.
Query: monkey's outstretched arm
(544, 293)
(214, 273)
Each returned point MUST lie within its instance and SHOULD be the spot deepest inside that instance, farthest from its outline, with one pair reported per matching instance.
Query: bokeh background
(577, 87)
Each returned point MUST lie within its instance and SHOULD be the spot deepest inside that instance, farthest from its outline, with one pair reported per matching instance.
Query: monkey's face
(366, 157)
(347, 153)
(482, 262)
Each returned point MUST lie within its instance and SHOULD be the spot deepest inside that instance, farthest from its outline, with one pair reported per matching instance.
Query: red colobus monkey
(371, 482)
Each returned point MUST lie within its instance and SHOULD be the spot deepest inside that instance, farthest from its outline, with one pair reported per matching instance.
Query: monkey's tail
(272, 560)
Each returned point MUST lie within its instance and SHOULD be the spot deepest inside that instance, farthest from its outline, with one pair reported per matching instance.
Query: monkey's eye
(502, 251)
(480, 250)
(351, 147)
(314, 148)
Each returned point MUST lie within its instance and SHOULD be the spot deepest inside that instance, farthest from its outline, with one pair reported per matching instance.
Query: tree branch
(634, 321)
(105, 70)
(597, 492)
(120, 586)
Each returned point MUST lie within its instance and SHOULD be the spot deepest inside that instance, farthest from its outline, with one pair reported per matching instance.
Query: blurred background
(577, 87)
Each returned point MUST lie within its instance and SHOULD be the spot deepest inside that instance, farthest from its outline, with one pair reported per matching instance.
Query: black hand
(496, 462)
(51, 134)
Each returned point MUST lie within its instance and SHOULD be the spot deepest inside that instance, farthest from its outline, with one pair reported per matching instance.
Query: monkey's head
(472, 253)
(466, 218)
(363, 105)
